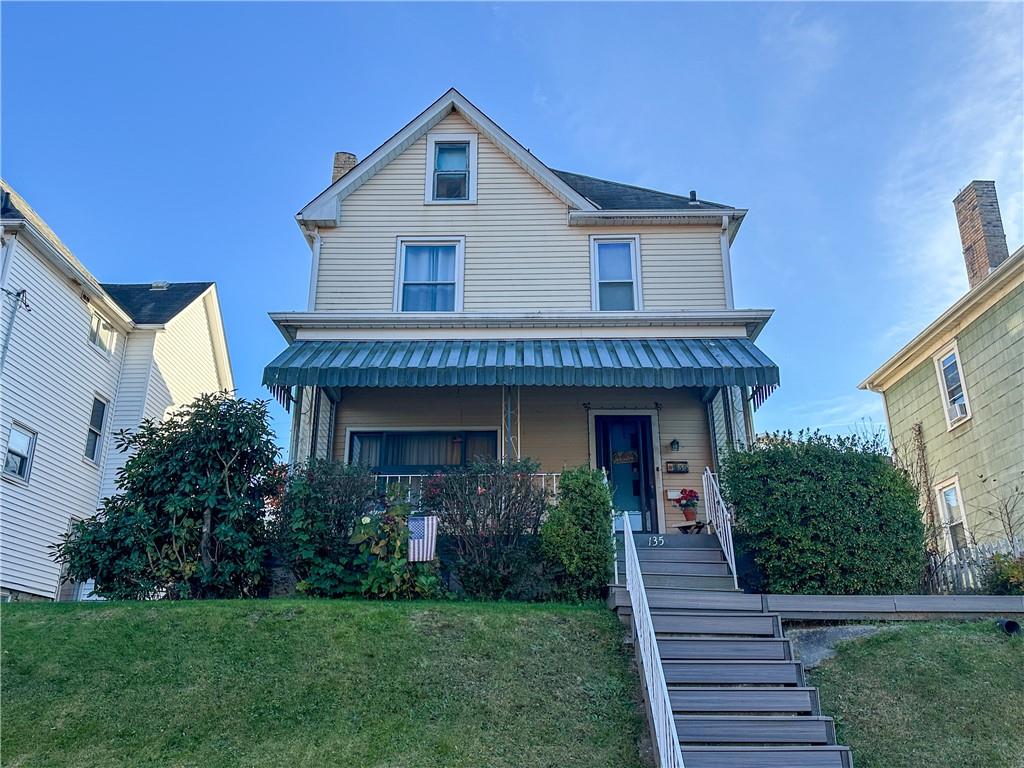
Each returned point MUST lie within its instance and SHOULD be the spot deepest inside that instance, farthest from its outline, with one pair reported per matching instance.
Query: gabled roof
(325, 207)
(614, 196)
(579, 192)
(1005, 278)
(13, 207)
(154, 303)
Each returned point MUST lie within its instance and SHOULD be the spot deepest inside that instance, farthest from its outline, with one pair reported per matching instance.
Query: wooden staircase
(739, 698)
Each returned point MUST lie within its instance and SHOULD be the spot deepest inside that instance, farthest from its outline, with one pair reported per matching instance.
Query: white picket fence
(961, 571)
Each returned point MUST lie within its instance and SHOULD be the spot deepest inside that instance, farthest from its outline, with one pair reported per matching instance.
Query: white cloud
(841, 414)
(971, 127)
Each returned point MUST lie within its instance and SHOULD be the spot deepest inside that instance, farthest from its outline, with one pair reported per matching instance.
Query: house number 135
(656, 541)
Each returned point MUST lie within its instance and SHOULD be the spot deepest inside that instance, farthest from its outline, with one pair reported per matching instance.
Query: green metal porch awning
(712, 362)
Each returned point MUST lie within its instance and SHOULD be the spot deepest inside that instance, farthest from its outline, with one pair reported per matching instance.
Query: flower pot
(689, 514)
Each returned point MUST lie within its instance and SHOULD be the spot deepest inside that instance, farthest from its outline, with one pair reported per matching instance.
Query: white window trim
(98, 460)
(428, 185)
(638, 291)
(943, 394)
(947, 537)
(109, 351)
(10, 476)
(458, 241)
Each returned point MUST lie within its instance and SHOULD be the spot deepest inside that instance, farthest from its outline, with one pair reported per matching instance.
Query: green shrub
(382, 565)
(314, 522)
(825, 515)
(577, 534)
(489, 510)
(188, 519)
(1004, 575)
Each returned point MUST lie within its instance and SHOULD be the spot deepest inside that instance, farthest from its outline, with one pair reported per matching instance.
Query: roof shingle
(613, 196)
(147, 305)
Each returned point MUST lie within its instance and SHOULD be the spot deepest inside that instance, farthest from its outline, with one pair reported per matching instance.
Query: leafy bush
(383, 562)
(188, 519)
(1004, 575)
(314, 523)
(490, 510)
(825, 515)
(577, 534)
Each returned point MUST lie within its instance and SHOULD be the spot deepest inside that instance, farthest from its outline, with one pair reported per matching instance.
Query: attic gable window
(102, 334)
(451, 168)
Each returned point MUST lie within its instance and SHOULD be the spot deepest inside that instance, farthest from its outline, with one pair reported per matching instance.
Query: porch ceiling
(712, 362)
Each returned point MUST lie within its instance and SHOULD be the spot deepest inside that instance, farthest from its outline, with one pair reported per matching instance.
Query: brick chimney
(981, 229)
(343, 163)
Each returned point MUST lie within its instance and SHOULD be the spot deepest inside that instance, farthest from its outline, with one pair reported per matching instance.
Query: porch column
(510, 422)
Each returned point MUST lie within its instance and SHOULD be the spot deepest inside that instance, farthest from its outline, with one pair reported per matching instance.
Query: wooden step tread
(753, 625)
(684, 568)
(702, 699)
(725, 648)
(767, 757)
(676, 581)
(674, 541)
(695, 600)
(704, 672)
(755, 729)
(677, 555)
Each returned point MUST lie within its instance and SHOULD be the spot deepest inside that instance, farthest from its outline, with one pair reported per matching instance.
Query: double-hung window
(951, 513)
(451, 168)
(952, 389)
(94, 435)
(615, 270)
(101, 333)
(21, 444)
(430, 276)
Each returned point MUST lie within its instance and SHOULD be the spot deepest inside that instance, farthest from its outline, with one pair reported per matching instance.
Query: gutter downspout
(730, 302)
(19, 297)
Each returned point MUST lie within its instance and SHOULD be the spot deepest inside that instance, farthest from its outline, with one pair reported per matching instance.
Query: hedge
(824, 515)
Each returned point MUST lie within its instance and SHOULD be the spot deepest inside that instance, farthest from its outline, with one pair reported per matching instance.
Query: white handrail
(719, 518)
(670, 755)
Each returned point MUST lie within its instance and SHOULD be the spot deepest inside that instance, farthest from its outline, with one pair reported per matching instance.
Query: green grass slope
(316, 683)
(929, 694)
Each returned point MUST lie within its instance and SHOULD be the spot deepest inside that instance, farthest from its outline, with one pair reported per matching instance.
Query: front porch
(652, 413)
(652, 443)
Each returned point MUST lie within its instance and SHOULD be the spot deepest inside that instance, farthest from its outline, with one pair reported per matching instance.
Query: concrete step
(729, 624)
(675, 581)
(755, 729)
(724, 649)
(706, 672)
(707, 700)
(767, 757)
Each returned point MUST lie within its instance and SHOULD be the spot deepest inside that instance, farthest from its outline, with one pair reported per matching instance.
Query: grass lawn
(316, 683)
(943, 694)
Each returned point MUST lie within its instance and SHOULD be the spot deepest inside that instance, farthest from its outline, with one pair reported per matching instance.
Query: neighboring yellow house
(466, 300)
(954, 396)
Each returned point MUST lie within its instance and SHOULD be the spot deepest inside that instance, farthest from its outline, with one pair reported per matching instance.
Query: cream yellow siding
(554, 422)
(520, 252)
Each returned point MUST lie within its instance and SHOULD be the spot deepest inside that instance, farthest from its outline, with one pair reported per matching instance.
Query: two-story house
(80, 361)
(466, 300)
(954, 395)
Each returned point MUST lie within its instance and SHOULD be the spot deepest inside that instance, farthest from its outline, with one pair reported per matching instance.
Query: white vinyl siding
(520, 253)
(50, 377)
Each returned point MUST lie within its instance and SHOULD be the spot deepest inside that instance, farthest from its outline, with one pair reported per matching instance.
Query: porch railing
(670, 755)
(719, 518)
(546, 481)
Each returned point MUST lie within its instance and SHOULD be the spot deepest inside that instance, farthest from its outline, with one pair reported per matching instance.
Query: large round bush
(825, 515)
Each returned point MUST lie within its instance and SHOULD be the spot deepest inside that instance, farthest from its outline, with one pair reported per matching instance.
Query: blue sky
(177, 141)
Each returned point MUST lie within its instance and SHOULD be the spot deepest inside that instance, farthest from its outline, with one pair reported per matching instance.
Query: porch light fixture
(673, 446)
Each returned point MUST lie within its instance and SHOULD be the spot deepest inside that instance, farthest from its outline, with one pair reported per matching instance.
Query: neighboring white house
(80, 361)
(466, 300)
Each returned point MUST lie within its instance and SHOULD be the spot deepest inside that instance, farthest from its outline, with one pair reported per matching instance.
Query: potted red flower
(687, 501)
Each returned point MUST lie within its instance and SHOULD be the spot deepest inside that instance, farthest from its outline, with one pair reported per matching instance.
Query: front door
(625, 452)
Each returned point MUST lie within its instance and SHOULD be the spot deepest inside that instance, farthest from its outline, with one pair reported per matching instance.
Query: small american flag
(422, 538)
